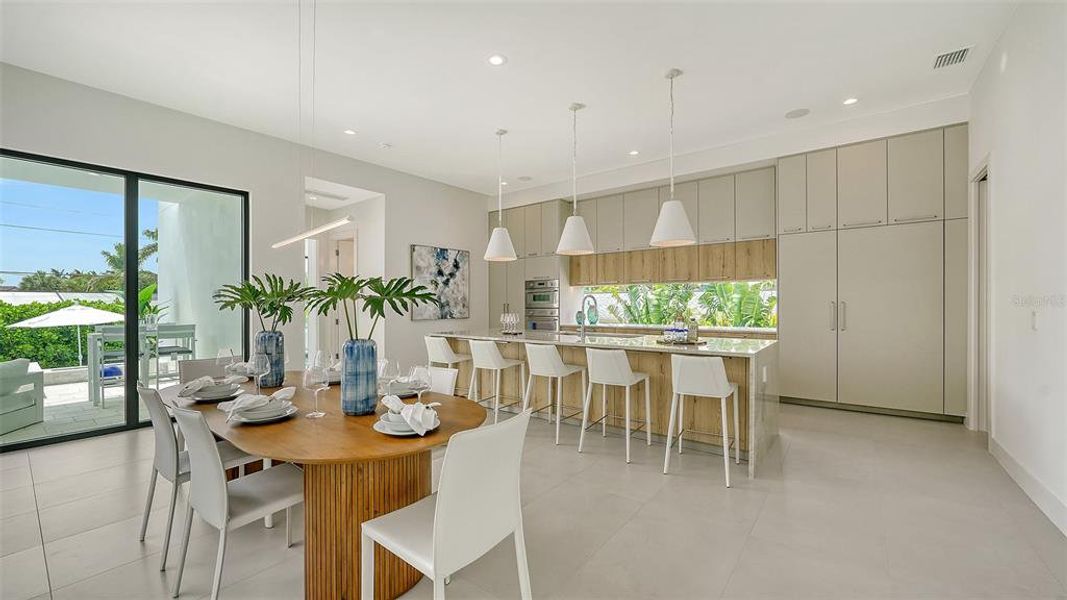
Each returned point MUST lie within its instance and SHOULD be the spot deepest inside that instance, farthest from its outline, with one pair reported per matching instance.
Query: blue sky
(72, 226)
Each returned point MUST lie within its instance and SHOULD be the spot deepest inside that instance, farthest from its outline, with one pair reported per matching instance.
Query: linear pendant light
(672, 226)
(575, 240)
(500, 248)
(313, 232)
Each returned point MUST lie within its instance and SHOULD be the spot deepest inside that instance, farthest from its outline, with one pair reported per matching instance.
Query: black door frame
(131, 224)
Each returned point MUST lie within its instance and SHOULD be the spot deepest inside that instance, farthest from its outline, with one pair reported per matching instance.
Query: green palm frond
(374, 294)
(270, 296)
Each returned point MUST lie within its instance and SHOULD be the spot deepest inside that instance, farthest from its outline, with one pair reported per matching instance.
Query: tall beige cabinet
(890, 317)
(872, 273)
(807, 315)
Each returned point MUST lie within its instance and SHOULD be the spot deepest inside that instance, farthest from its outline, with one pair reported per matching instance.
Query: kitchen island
(750, 363)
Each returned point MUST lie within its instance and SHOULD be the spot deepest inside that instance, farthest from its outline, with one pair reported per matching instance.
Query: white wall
(1018, 125)
(731, 155)
(53, 117)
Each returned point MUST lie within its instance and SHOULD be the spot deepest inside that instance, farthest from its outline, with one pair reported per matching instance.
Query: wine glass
(389, 372)
(225, 358)
(260, 366)
(316, 379)
(419, 379)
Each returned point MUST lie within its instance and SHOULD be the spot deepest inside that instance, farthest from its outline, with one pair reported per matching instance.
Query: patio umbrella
(76, 315)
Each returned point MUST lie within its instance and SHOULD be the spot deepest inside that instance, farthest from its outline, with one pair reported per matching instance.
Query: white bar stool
(545, 362)
(703, 376)
(486, 355)
(439, 351)
(611, 367)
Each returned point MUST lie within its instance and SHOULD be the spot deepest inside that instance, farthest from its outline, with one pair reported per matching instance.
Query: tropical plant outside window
(713, 304)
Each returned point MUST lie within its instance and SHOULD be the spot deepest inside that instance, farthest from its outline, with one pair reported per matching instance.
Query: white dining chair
(172, 463)
(230, 505)
(486, 355)
(439, 351)
(191, 369)
(443, 381)
(545, 362)
(704, 377)
(445, 532)
(612, 367)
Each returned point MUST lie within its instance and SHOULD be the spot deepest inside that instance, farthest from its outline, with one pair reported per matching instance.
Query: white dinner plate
(267, 411)
(217, 391)
(400, 431)
(264, 420)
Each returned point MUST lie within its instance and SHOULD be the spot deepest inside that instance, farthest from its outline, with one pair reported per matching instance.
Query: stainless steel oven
(542, 305)
(542, 319)
(542, 293)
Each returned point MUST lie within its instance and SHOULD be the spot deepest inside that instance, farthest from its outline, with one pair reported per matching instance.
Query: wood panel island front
(750, 363)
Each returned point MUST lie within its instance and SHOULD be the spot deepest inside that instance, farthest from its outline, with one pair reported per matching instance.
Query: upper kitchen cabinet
(551, 226)
(792, 194)
(916, 177)
(587, 211)
(532, 224)
(956, 180)
(687, 194)
(754, 204)
(609, 224)
(716, 213)
(861, 185)
(822, 190)
(641, 210)
(515, 221)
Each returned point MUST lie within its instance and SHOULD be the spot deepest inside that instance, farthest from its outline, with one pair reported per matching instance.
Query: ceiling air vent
(951, 58)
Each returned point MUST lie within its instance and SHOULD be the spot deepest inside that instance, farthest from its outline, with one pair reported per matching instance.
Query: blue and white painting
(446, 273)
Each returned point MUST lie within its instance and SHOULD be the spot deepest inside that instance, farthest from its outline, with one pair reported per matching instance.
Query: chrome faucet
(584, 316)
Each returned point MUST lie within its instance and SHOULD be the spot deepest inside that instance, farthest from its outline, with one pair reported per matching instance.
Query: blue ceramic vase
(359, 377)
(272, 343)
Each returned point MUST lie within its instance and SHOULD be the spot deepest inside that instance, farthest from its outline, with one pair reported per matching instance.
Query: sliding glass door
(83, 321)
(191, 243)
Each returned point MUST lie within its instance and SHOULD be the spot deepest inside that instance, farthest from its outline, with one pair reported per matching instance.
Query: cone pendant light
(575, 239)
(500, 247)
(672, 226)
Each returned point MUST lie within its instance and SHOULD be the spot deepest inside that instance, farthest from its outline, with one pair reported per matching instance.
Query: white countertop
(712, 346)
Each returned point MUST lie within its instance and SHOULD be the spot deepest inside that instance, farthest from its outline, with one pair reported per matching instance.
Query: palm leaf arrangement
(271, 297)
(373, 294)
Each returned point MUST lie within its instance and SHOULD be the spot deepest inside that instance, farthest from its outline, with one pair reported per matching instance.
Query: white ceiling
(415, 75)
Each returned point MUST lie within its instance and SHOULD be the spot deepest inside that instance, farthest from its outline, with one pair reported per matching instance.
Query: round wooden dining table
(351, 474)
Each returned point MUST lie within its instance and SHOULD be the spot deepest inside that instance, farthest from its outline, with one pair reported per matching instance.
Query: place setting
(258, 409)
(212, 389)
(402, 419)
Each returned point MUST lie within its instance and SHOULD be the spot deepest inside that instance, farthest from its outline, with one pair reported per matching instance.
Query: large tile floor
(862, 506)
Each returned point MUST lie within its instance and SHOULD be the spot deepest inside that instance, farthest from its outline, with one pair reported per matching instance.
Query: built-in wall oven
(542, 305)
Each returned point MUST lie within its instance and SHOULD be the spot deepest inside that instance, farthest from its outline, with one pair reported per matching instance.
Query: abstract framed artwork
(446, 273)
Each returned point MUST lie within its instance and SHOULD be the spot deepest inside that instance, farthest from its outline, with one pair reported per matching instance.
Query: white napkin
(247, 402)
(419, 417)
(243, 369)
(195, 386)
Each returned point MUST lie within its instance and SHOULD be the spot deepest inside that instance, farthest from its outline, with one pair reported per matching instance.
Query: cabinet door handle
(818, 227)
(844, 315)
(862, 224)
(793, 229)
(910, 219)
(833, 316)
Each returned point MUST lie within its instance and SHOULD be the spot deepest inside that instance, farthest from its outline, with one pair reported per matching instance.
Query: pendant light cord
(500, 176)
(670, 135)
(574, 162)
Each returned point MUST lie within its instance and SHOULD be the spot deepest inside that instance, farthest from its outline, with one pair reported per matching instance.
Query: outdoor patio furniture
(21, 394)
(172, 340)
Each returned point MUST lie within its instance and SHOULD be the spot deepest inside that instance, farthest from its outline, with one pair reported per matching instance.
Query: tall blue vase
(359, 377)
(272, 343)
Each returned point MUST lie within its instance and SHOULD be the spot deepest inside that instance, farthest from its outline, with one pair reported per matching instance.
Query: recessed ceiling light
(350, 132)
(385, 145)
(797, 113)
(313, 197)
(497, 59)
(503, 183)
(850, 101)
(634, 153)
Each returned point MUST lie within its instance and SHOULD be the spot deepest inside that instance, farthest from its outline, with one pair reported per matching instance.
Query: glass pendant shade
(672, 226)
(500, 248)
(575, 240)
